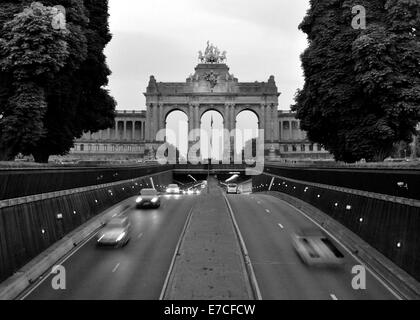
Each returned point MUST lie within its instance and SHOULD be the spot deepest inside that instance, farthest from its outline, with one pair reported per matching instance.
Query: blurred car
(148, 198)
(115, 233)
(315, 248)
(173, 189)
(232, 188)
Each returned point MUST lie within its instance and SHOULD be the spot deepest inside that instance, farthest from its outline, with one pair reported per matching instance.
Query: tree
(75, 98)
(28, 61)
(78, 102)
(362, 86)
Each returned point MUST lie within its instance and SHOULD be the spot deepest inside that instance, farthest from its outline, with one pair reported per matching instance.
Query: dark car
(315, 248)
(115, 233)
(148, 198)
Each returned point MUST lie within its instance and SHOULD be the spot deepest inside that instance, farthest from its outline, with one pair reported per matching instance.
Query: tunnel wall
(379, 180)
(15, 183)
(382, 224)
(21, 226)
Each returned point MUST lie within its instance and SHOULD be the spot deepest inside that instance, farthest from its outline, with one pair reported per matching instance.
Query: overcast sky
(163, 37)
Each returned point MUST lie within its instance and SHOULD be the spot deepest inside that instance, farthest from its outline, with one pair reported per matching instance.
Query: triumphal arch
(212, 87)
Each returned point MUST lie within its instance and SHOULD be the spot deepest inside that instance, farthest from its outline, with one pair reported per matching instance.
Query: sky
(163, 37)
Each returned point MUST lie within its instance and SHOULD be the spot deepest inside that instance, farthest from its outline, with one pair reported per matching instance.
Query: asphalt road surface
(135, 272)
(266, 224)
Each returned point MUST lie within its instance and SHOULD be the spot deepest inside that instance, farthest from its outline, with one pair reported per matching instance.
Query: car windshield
(173, 186)
(148, 192)
(232, 186)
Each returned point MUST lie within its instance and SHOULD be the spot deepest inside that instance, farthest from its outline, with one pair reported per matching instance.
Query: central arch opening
(247, 132)
(212, 135)
(177, 133)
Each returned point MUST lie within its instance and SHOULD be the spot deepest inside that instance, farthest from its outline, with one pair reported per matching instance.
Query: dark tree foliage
(76, 100)
(362, 87)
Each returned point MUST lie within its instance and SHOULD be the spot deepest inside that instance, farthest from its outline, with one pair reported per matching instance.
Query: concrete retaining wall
(29, 228)
(390, 227)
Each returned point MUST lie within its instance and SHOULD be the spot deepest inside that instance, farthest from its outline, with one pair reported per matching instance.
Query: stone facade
(211, 87)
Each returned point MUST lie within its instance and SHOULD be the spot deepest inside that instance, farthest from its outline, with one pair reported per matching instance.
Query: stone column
(148, 124)
(226, 138)
(197, 121)
(263, 121)
(155, 121)
(291, 129)
(276, 124)
(161, 120)
(232, 117)
(191, 119)
(281, 136)
(125, 130)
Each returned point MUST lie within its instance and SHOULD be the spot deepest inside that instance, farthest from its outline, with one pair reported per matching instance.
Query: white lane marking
(259, 202)
(116, 268)
(281, 226)
(140, 235)
(347, 249)
(333, 297)
(266, 210)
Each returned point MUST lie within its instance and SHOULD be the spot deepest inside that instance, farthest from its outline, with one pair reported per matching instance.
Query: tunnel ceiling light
(74, 212)
(43, 231)
(348, 207)
(361, 220)
(59, 216)
(319, 196)
(336, 204)
(399, 244)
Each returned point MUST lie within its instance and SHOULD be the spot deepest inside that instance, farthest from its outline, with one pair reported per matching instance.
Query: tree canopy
(65, 69)
(362, 86)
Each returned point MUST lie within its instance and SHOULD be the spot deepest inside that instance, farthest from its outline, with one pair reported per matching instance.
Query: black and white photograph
(209, 159)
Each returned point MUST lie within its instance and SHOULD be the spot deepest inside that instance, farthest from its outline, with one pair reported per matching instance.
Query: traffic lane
(136, 271)
(375, 289)
(267, 224)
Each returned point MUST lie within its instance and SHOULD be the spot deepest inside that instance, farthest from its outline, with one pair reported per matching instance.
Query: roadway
(138, 271)
(266, 224)
(135, 272)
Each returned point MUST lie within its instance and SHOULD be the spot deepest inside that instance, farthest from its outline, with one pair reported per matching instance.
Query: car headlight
(139, 199)
(120, 237)
(190, 192)
(154, 200)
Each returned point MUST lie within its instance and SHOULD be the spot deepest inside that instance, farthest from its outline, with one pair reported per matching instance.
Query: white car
(232, 188)
(173, 189)
(115, 233)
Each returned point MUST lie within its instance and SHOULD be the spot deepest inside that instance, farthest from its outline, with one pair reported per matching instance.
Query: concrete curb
(247, 261)
(170, 275)
(30, 273)
(390, 274)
